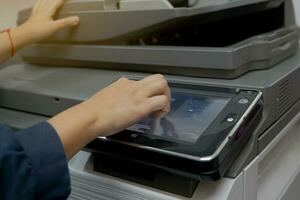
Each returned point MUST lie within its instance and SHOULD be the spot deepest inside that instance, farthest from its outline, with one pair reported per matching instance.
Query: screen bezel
(210, 140)
(206, 95)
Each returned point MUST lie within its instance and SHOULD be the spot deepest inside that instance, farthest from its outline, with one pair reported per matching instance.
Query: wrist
(77, 119)
(21, 36)
(96, 125)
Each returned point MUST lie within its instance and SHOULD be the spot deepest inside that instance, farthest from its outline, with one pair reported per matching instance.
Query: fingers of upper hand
(64, 23)
(47, 8)
(54, 6)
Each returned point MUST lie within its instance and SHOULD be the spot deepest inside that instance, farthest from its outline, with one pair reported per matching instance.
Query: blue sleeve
(33, 164)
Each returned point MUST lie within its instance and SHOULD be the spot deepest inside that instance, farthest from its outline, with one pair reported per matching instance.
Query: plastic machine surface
(45, 93)
(221, 39)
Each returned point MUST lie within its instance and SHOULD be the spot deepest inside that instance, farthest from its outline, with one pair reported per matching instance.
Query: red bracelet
(13, 50)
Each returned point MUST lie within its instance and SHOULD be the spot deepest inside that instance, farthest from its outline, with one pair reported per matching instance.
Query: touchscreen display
(191, 113)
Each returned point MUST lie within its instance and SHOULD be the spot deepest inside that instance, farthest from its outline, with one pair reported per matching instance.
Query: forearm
(111, 110)
(20, 37)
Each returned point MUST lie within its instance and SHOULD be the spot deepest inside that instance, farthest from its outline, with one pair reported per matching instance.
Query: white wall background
(9, 9)
(297, 8)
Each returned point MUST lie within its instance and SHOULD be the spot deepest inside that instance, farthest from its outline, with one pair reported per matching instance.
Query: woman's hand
(41, 24)
(125, 102)
(111, 110)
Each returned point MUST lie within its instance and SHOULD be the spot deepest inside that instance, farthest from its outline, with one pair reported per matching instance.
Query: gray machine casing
(34, 93)
(91, 45)
(50, 90)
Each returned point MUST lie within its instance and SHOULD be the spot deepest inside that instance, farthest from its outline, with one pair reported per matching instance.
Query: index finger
(56, 4)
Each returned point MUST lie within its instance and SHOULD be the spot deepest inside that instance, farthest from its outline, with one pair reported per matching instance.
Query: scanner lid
(103, 20)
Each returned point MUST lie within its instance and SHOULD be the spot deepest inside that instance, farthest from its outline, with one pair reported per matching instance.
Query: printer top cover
(208, 38)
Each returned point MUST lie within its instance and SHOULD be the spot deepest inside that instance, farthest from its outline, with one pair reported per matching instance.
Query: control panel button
(243, 101)
(230, 119)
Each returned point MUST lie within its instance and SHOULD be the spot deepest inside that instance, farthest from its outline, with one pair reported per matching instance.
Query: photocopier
(233, 66)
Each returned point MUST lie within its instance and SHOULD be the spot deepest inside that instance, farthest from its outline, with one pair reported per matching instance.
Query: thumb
(66, 22)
